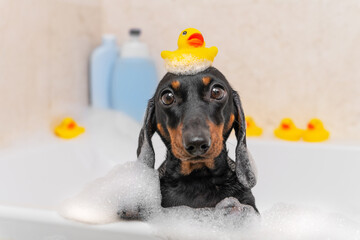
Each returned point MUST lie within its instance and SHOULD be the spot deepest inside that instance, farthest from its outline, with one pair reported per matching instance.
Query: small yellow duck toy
(68, 129)
(252, 130)
(315, 131)
(288, 131)
(191, 56)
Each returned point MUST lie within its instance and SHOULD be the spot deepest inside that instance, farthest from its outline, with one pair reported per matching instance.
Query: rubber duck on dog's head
(191, 56)
(191, 38)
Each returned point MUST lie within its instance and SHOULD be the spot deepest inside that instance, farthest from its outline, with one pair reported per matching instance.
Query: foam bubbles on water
(207, 223)
(282, 221)
(132, 185)
(128, 186)
(285, 221)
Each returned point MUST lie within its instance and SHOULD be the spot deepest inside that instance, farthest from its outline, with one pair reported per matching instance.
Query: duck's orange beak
(71, 125)
(285, 126)
(196, 40)
(310, 126)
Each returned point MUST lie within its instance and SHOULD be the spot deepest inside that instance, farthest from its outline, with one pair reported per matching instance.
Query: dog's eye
(217, 93)
(167, 98)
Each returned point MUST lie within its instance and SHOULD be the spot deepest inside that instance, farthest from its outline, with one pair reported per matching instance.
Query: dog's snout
(196, 136)
(197, 144)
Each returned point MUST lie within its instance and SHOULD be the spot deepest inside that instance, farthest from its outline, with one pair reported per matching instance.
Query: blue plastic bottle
(134, 80)
(102, 64)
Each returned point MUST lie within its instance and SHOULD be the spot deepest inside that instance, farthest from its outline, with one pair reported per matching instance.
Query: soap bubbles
(187, 64)
(130, 186)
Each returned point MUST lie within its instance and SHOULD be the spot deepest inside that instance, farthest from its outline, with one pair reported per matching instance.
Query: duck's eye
(167, 98)
(184, 33)
(217, 92)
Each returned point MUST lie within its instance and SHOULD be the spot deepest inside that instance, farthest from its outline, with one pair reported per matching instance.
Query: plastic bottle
(134, 80)
(102, 64)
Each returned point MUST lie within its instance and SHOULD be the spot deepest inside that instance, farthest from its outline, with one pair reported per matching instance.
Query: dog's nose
(197, 145)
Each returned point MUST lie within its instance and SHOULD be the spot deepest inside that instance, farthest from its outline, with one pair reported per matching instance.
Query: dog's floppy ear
(145, 150)
(245, 167)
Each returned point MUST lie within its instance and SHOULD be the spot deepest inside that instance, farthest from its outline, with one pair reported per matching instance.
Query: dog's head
(194, 115)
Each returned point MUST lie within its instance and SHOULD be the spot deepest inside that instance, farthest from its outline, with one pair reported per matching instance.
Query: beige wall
(44, 47)
(286, 58)
(298, 59)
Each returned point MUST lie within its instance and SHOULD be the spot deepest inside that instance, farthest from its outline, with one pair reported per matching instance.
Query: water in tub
(112, 138)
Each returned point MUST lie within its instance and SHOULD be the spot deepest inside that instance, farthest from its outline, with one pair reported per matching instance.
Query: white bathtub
(34, 182)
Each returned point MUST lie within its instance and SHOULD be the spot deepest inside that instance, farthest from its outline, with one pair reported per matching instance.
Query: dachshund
(194, 116)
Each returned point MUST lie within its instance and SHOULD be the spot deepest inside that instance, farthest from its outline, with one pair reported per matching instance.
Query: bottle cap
(134, 48)
(135, 32)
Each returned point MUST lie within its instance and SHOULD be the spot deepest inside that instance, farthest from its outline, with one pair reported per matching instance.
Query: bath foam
(184, 223)
(280, 222)
(287, 221)
(187, 64)
(128, 186)
(132, 185)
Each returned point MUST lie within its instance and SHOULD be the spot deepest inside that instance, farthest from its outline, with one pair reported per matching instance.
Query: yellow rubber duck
(191, 56)
(68, 129)
(288, 131)
(315, 131)
(252, 130)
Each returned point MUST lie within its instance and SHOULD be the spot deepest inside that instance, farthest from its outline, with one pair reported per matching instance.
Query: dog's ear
(245, 167)
(145, 150)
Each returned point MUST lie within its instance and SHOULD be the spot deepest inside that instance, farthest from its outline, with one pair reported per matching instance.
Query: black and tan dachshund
(194, 115)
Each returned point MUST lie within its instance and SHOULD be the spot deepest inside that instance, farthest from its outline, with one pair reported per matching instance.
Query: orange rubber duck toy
(288, 131)
(68, 129)
(252, 130)
(315, 131)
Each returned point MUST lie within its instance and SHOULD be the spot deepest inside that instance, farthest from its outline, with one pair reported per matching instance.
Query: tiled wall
(298, 59)
(44, 48)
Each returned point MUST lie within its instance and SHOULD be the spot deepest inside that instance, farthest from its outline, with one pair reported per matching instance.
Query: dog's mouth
(185, 157)
(196, 158)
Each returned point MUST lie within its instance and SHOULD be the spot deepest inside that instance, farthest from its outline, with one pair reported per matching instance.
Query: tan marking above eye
(206, 80)
(175, 84)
